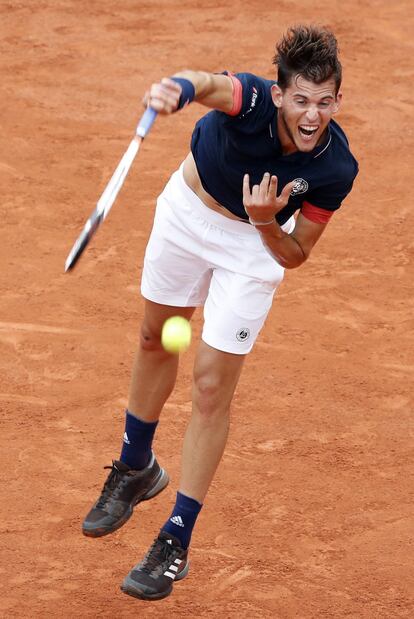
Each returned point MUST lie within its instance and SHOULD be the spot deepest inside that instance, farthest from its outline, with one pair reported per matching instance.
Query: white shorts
(196, 256)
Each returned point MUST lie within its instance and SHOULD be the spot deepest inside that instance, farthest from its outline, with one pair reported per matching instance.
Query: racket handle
(145, 122)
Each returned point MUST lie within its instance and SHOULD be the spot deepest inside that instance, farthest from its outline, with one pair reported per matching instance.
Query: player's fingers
(145, 99)
(255, 193)
(273, 187)
(246, 190)
(159, 105)
(170, 84)
(172, 91)
(285, 193)
(264, 185)
(163, 99)
(247, 196)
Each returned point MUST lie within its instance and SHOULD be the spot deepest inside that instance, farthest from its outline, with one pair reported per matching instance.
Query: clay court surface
(310, 514)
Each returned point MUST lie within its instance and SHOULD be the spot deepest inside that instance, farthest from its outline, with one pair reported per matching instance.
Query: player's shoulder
(346, 165)
(254, 84)
(254, 95)
(252, 78)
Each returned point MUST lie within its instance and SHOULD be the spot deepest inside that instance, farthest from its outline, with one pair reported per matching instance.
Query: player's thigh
(155, 315)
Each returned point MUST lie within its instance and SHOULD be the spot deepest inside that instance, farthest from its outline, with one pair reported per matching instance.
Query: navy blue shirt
(227, 147)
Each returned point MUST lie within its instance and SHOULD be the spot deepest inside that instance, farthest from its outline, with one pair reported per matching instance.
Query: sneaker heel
(159, 486)
(184, 572)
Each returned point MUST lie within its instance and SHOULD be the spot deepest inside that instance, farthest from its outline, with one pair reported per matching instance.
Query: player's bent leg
(136, 477)
(154, 371)
(216, 374)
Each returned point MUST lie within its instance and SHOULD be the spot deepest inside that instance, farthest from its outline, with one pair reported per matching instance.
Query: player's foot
(123, 489)
(153, 578)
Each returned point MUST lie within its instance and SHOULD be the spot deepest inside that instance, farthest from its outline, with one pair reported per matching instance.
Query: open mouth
(307, 132)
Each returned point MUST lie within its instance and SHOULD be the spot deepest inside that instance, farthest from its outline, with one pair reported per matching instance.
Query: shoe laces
(159, 553)
(110, 485)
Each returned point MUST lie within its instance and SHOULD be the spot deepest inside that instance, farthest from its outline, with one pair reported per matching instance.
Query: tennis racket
(111, 191)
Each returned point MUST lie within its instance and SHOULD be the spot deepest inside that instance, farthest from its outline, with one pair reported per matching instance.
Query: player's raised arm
(173, 93)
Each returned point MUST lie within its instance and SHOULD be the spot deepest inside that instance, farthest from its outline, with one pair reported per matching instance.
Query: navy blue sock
(138, 435)
(183, 518)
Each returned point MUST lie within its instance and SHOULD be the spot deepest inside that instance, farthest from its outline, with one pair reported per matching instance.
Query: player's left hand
(262, 203)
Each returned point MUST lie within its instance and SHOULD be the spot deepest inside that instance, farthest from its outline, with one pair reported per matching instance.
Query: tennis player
(267, 170)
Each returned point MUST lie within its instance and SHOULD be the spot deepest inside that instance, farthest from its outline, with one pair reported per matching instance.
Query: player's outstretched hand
(163, 96)
(262, 203)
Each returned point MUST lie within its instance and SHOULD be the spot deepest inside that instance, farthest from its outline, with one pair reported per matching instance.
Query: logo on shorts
(243, 334)
(300, 186)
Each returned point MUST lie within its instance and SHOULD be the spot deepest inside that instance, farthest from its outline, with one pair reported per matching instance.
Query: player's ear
(337, 103)
(277, 95)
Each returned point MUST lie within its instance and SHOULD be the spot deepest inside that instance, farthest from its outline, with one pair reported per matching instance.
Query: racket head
(83, 239)
(111, 191)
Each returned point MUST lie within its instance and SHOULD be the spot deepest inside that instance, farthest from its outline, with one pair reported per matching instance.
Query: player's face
(304, 111)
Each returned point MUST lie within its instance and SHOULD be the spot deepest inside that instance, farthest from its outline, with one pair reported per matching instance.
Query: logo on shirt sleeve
(300, 186)
(254, 97)
(253, 102)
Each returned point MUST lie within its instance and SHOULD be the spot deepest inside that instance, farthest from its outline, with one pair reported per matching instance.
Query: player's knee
(209, 395)
(150, 340)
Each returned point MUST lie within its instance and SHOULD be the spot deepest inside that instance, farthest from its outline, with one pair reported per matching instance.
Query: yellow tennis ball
(176, 335)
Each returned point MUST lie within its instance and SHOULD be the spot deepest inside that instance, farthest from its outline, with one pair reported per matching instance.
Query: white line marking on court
(12, 397)
(24, 326)
(8, 168)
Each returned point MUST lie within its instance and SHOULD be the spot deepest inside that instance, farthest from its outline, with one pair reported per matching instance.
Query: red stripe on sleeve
(315, 213)
(237, 95)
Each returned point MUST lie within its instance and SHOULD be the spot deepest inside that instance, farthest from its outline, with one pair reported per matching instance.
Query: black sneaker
(123, 489)
(153, 578)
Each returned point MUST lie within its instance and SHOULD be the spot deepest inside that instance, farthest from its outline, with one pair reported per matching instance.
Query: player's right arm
(213, 90)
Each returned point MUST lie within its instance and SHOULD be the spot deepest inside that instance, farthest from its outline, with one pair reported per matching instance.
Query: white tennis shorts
(196, 256)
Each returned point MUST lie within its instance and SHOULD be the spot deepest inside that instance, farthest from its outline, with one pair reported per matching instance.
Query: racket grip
(145, 122)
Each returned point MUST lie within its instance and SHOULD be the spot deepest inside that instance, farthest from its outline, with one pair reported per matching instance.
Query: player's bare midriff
(192, 179)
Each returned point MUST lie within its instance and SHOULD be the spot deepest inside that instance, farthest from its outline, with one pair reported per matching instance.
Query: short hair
(308, 51)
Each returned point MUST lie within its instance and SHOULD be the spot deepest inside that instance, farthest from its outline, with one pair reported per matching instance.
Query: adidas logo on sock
(177, 520)
(126, 439)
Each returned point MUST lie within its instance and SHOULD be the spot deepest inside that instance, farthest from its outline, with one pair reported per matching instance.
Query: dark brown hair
(309, 51)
